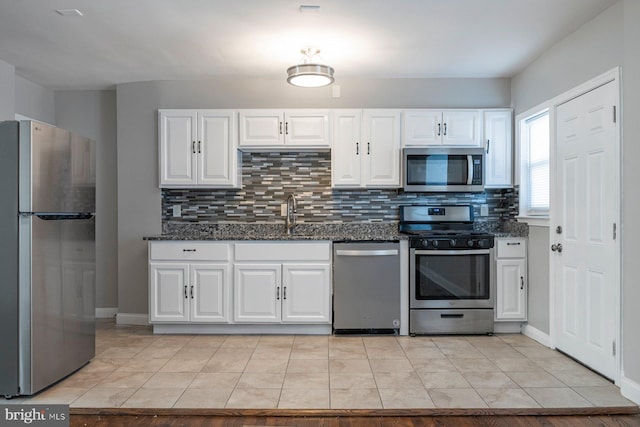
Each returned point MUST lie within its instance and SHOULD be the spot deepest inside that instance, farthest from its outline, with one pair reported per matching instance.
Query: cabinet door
(217, 148)
(306, 293)
(257, 293)
(307, 128)
(261, 128)
(346, 153)
(511, 290)
(381, 148)
(168, 292)
(177, 130)
(498, 140)
(209, 293)
(421, 127)
(461, 128)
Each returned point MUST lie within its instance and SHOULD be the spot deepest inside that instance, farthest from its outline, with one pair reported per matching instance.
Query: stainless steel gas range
(451, 275)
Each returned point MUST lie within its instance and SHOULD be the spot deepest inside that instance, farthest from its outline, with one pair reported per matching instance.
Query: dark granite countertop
(302, 231)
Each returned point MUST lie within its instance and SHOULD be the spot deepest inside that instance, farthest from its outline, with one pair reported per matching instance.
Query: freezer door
(57, 298)
(57, 170)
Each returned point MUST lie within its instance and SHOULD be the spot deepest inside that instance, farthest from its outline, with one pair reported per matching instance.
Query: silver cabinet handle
(277, 292)
(513, 243)
(368, 148)
(284, 292)
(193, 147)
(286, 128)
(357, 149)
(280, 125)
(185, 291)
(488, 142)
(445, 129)
(439, 128)
(191, 291)
(199, 144)
(521, 282)
(379, 252)
(188, 250)
(557, 247)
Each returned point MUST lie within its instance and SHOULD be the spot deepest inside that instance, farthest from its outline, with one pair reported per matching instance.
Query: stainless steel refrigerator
(47, 255)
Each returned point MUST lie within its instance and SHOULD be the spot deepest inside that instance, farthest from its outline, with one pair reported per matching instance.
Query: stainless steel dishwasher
(366, 287)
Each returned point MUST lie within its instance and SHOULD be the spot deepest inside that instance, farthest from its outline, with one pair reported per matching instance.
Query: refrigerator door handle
(57, 217)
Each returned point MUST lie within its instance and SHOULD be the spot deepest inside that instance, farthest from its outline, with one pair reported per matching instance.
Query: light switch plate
(177, 211)
(484, 210)
(335, 91)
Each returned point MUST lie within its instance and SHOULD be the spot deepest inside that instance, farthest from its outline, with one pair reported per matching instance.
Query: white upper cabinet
(283, 130)
(454, 128)
(198, 148)
(499, 148)
(366, 149)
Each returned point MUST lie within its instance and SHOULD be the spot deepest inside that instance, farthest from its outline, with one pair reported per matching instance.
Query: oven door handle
(453, 252)
(469, 170)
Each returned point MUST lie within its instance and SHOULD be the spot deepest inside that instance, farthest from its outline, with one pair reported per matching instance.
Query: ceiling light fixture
(309, 73)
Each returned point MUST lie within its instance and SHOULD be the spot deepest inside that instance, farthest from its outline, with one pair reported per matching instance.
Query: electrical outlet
(177, 211)
(283, 209)
(484, 210)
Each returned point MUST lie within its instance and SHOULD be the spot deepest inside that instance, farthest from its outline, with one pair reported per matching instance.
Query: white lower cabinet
(282, 283)
(189, 282)
(511, 279)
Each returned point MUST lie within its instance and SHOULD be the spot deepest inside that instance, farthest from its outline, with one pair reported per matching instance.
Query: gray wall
(34, 101)
(630, 199)
(93, 114)
(7, 91)
(611, 39)
(139, 198)
(538, 275)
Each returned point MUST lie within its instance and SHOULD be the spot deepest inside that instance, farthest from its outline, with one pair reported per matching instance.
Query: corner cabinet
(198, 148)
(511, 279)
(189, 282)
(282, 282)
(366, 149)
(453, 128)
(498, 131)
(262, 130)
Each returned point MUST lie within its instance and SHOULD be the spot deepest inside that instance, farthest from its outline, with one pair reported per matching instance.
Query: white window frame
(526, 214)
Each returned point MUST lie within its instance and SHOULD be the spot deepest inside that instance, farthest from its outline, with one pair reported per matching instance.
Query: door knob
(557, 247)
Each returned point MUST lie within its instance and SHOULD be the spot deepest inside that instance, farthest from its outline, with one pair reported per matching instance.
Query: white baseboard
(630, 389)
(537, 334)
(132, 319)
(106, 312)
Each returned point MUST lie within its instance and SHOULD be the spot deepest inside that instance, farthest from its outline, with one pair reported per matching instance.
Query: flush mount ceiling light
(309, 73)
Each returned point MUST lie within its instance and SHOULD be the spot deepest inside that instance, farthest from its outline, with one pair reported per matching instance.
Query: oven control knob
(434, 243)
(452, 242)
(424, 243)
(470, 243)
(483, 243)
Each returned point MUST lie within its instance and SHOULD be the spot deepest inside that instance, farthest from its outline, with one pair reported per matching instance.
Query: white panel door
(511, 291)
(209, 293)
(307, 128)
(168, 292)
(257, 293)
(177, 130)
(346, 153)
(381, 148)
(499, 157)
(306, 293)
(261, 128)
(217, 148)
(462, 128)
(587, 282)
(421, 127)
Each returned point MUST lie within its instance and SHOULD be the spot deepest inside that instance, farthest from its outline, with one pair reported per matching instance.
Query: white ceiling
(118, 41)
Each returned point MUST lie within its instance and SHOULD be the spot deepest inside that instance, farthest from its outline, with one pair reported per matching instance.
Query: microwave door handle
(469, 170)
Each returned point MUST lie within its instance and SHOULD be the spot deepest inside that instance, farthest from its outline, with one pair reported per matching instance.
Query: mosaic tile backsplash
(269, 177)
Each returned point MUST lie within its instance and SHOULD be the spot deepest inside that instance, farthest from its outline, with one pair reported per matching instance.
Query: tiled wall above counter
(269, 177)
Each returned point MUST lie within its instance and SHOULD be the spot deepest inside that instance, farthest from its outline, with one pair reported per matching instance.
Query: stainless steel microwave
(440, 169)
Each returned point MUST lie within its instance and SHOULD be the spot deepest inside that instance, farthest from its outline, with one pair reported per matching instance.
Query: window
(534, 161)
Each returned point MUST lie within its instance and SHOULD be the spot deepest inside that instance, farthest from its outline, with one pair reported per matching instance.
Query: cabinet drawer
(511, 248)
(188, 251)
(283, 252)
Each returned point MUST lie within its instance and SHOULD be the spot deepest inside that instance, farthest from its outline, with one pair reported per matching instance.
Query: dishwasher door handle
(355, 252)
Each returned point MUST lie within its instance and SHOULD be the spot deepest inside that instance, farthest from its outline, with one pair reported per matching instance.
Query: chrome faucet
(292, 209)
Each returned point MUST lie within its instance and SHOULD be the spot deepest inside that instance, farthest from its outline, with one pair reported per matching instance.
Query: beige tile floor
(135, 369)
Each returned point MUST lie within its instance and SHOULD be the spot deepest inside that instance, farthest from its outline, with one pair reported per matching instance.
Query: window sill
(537, 221)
